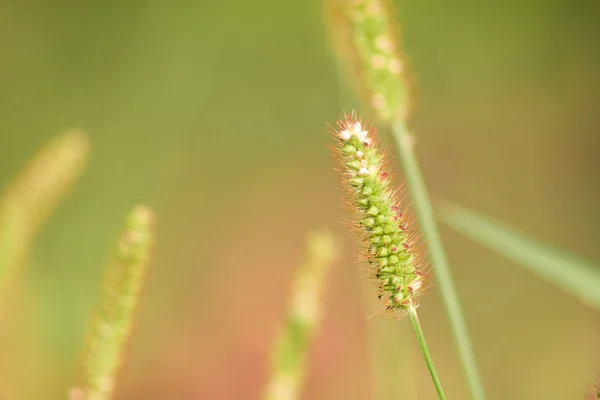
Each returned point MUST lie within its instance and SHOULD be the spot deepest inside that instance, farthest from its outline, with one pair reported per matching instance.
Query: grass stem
(424, 211)
(412, 311)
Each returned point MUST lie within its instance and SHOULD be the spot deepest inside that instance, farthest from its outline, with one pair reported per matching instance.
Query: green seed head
(394, 260)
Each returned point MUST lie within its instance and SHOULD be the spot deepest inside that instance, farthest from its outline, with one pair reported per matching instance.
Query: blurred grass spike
(35, 193)
(365, 39)
(114, 317)
(304, 310)
(578, 277)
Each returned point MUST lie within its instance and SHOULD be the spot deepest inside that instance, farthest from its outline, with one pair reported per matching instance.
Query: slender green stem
(424, 210)
(412, 311)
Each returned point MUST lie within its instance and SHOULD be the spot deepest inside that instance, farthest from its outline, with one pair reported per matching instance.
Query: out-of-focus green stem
(424, 211)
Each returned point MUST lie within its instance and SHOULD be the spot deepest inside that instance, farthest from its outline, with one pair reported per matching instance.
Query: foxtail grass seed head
(29, 200)
(394, 257)
(366, 42)
(303, 317)
(115, 314)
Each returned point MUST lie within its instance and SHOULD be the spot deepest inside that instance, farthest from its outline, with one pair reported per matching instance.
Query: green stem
(425, 351)
(424, 210)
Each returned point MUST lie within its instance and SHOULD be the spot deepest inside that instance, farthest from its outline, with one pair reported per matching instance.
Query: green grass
(575, 276)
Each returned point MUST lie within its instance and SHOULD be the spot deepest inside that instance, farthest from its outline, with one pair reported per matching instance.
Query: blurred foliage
(215, 113)
(32, 196)
(575, 276)
(302, 320)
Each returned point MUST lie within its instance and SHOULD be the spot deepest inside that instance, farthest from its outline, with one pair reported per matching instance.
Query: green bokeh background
(215, 114)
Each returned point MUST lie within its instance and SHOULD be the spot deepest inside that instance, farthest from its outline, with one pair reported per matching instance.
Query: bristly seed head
(394, 260)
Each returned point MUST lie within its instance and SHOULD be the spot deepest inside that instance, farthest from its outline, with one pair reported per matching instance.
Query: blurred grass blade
(34, 194)
(303, 317)
(576, 276)
(115, 313)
